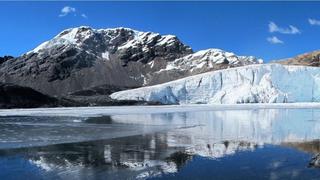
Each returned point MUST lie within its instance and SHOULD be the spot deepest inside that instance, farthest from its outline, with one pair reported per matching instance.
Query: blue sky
(269, 30)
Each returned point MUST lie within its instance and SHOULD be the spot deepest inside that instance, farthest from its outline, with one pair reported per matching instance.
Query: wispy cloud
(314, 22)
(67, 10)
(273, 27)
(84, 16)
(274, 40)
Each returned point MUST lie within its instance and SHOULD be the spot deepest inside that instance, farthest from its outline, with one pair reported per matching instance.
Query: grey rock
(13, 96)
(315, 161)
(5, 58)
(82, 58)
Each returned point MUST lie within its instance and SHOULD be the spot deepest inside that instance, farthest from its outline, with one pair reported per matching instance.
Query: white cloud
(273, 27)
(67, 10)
(274, 40)
(71, 10)
(314, 22)
(84, 16)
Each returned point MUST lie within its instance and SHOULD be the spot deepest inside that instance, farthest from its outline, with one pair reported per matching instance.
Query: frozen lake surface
(167, 142)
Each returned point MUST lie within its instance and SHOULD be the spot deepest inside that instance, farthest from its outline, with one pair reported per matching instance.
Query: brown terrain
(307, 59)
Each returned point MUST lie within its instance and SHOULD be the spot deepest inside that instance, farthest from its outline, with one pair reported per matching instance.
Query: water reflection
(137, 156)
(275, 144)
(312, 147)
(272, 126)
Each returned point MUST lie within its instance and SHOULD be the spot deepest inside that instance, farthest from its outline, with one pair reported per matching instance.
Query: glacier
(259, 83)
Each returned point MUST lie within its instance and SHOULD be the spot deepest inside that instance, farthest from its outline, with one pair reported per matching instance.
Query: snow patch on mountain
(209, 59)
(261, 83)
(167, 40)
(106, 55)
(66, 37)
(146, 39)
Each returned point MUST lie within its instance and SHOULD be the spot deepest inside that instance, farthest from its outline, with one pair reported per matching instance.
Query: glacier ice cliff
(261, 83)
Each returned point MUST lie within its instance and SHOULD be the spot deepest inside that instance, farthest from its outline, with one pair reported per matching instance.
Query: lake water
(189, 143)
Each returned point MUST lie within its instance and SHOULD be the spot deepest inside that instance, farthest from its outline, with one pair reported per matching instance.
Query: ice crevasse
(261, 83)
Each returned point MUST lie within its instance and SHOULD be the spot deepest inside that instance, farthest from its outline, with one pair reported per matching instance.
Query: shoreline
(151, 109)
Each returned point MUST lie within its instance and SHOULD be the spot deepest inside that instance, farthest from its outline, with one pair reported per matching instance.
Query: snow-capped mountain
(78, 60)
(264, 83)
(131, 45)
(200, 62)
(81, 58)
(210, 58)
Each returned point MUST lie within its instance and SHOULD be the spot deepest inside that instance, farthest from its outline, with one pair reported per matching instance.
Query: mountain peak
(84, 57)
(209, 59)
(111, 40)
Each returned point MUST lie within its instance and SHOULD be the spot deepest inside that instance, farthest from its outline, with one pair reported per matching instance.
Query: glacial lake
(192, 142)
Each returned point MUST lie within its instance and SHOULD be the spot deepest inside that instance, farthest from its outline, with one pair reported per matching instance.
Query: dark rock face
(5, 58)
(13, 96)
(83, 58)
(105, 100)
(99, 90)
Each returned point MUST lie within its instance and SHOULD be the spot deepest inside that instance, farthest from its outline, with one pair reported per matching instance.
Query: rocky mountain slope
(307, 59)
(265, 83)
(13, 96)
(81, 60)
(5, 58)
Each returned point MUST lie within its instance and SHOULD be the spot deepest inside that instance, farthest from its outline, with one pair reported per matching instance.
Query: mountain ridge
(307, 59)
(86, 65)
(83, 58)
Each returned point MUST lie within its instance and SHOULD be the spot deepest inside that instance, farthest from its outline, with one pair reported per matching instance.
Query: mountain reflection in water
(142, 156)
(232, 144)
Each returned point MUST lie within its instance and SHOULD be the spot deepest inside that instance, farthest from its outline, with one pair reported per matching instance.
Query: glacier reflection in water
(230, 144)
(272, 126)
